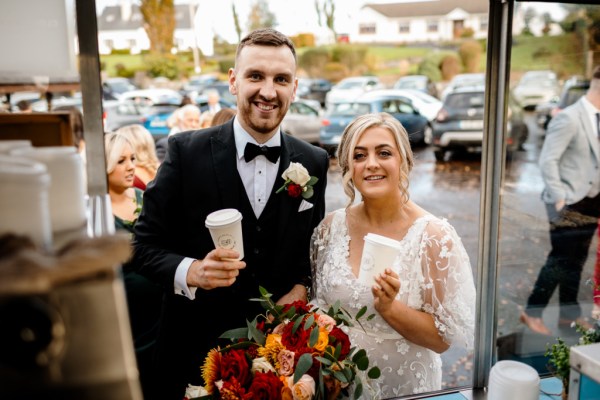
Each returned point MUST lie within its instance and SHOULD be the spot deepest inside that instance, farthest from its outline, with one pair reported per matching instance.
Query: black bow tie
(252, 150)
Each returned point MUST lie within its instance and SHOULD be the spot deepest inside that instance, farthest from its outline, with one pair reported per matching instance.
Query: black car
(459, 124)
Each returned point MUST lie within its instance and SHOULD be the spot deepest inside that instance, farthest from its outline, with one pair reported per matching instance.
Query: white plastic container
(6, 146)
(513, 380)
(67, 193)
(24, 207)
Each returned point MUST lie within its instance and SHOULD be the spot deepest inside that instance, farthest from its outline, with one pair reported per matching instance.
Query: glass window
(432, 26)
(367, 29)
(404, 27)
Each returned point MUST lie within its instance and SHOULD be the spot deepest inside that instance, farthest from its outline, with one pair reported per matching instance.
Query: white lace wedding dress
(435, 276)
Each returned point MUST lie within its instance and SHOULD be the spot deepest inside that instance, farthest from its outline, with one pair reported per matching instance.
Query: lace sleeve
(318, 245)
(448, 288)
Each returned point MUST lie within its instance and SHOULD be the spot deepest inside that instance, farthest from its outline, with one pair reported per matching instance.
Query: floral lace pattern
(436, 277)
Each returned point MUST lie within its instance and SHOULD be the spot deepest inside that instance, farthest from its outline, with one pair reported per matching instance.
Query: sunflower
(272, 348)
(211, 370)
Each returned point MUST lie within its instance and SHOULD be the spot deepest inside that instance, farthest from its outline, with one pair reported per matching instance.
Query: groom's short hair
(266, 37)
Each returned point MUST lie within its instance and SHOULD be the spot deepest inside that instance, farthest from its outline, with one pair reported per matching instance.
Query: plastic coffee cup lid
(374, 238)
(222, 217)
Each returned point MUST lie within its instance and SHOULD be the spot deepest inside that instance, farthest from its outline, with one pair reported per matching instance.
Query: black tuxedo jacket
(199, 176)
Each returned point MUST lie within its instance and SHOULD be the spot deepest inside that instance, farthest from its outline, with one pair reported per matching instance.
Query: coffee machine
(64, 328)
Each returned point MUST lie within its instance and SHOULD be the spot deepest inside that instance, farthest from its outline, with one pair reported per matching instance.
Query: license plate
(473, 124)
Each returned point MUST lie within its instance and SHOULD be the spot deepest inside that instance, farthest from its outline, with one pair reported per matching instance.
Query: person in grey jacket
(570, 167)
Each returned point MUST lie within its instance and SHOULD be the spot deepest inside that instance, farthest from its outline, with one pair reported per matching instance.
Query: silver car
(303, 121)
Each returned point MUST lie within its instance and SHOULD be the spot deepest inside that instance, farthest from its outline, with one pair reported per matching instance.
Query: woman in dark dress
(144, 298)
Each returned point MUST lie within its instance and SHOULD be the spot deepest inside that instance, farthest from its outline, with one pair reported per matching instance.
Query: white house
(420, 21)
(122, 27)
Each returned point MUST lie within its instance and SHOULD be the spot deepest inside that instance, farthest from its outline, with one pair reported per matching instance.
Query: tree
(327, 11)
(547, 18)
(236, 22)
(260, 16)
(159, 24)
(528, 16)
(584, 22)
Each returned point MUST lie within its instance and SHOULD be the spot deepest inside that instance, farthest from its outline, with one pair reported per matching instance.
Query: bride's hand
(386, 290)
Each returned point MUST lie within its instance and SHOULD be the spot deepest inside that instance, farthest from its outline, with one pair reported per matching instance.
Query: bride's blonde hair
(352, 134)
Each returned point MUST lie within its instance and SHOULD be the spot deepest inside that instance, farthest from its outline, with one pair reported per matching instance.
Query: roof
(111, 20)
(426, 8)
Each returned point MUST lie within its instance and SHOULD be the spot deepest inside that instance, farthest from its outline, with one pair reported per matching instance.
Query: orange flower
(210, 370)
(271, 349)
(286, 391)
(323, 340)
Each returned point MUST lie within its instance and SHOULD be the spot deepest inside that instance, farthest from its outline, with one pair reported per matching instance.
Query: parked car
(421, 83)
(573, 90)
(313, 89)
(303, 121)
(341, 114)
(117, 114)
(117, 86)
(196, 84)
(150, 97)
(425, 104)
(463, 80)
(223, 89)
(459, 124)
(536, 87)
(350, 88)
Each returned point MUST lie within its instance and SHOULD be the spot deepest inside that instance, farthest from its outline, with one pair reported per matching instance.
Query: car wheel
(440, 155)
(427, 134)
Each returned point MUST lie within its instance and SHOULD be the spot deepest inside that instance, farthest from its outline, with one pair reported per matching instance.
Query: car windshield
(350, 85)
(572, 95)
(465, 100)
(412, 84)
(350, 109)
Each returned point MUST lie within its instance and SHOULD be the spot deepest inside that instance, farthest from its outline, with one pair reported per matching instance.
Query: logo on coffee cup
(226, 241)
(367, 262)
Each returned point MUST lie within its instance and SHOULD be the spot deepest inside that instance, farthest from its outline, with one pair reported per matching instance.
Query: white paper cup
(379, 253)
(513, 380)
(225, 228)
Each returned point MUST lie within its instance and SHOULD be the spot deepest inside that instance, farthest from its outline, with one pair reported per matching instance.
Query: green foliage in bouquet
(293, 351)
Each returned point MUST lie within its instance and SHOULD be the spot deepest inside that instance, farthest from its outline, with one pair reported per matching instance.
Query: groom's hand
(218, 269)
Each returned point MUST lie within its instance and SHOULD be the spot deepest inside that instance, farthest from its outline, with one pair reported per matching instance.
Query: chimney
(125, 10)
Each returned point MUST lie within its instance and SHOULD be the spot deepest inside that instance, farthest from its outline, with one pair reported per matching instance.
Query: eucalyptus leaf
(256, 334)
(296, 325)
(308, 193)
(362, 363)
(309, 321)
(339, 375)
(374, 373)
(361, 312)
(304, 364)
(359, 354)
(312, 180)
(314, 337)
(324, 360)
(358, 391)
(234, 334)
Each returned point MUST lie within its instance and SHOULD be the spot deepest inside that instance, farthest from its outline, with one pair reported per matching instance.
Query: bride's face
(376, 163)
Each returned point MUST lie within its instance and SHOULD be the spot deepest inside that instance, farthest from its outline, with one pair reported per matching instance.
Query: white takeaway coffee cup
(379, 253)
(225, 228)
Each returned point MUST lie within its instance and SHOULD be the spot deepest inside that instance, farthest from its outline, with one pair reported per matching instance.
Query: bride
(425, 300)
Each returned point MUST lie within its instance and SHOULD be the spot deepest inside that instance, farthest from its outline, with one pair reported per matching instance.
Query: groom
(235, 165)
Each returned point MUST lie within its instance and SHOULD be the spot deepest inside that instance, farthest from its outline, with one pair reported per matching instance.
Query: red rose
(265, 386)
(340, 337)
(234, 364)
(300, 306)
(294, 341)
(294, 190)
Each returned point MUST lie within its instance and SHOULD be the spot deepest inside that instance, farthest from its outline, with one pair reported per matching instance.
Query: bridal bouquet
(292, 352)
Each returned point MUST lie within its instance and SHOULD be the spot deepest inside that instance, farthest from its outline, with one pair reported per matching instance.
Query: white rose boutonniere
(298, 181)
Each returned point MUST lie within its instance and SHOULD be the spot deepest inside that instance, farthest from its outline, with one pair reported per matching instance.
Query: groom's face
(264, 82)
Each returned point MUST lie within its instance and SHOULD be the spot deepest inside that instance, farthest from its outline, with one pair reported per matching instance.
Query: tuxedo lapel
(225, 166)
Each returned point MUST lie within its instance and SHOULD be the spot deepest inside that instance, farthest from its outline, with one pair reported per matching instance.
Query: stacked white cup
(379, 253)
(67, 193)
(24, 207)
(513, 380)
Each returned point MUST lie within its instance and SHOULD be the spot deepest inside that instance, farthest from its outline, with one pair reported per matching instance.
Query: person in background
(186, 118)
(569, 163)
(23, 106)
(236, 165)
(144, 298)
(146, 160)
(212, 108)
(425, 300)
(222, 116)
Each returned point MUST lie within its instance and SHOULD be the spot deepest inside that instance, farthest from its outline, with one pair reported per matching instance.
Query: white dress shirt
(258, 177)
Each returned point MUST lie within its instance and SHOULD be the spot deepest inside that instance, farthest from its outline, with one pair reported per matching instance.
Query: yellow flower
(211, 369)
(323, 340)
(271, 349)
